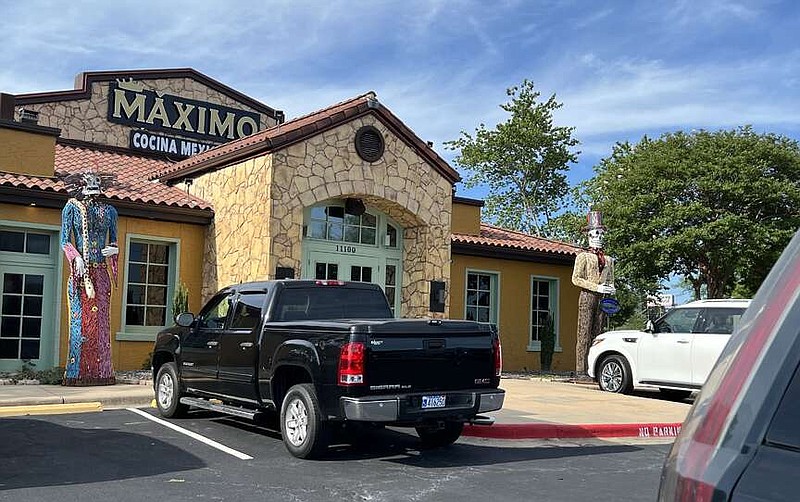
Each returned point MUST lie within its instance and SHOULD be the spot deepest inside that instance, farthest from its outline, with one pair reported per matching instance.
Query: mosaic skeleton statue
(594, 274)
(86, 225)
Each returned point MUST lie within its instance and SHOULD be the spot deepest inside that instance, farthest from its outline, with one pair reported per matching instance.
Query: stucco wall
(87, 120)
(515, 307)
(466, 219)
(27, 153)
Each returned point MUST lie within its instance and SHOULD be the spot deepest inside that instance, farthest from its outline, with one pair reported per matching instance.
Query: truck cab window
(214, 315)
(248, 311)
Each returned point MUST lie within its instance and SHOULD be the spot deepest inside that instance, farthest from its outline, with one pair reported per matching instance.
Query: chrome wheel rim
(165, 391)
(611, 376)
(296, 422)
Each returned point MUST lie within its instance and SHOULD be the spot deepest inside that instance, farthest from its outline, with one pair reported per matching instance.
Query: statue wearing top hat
(594, 274)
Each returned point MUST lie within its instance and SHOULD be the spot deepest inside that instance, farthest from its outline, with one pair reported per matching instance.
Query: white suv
(675, 353)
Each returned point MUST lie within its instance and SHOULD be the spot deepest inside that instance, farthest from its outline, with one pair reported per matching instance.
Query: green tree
(714, 208)
(523, 161)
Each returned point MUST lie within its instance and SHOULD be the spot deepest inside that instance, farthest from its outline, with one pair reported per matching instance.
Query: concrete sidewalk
(533, 408)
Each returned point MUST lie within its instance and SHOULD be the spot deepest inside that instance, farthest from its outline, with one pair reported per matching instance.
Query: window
(678, 321)
(721, 321)
(215, 314)
(783, 429)
(391, 236)
(150, 269)
(21, 321)
(329, 303)
(248, 310)
(391, 285)
(360, 274)
(333, 224)
(481, 300)
(329, 271)
(544, 304)
(24, 242)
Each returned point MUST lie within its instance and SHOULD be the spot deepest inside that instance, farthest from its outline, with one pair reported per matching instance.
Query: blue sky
(621, 69)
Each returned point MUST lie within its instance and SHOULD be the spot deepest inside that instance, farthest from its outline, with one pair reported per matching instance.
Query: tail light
(351, 364)
(497, 352)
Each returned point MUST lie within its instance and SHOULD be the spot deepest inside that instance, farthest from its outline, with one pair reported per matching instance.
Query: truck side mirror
(184, 319)
(649, 327)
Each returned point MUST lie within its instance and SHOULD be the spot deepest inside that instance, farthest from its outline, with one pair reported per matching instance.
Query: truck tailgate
(421, 355)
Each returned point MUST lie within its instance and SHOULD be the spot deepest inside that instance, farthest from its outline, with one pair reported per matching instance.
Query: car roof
(720, 303)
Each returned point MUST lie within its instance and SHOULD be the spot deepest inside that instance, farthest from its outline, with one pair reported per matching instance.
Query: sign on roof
(129, 103)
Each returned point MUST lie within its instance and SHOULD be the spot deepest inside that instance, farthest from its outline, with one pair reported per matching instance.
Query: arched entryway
(358, 243)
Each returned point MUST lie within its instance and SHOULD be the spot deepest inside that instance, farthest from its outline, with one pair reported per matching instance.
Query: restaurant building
(213, 188)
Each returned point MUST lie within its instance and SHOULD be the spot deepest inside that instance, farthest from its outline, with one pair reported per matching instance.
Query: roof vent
(369, 143)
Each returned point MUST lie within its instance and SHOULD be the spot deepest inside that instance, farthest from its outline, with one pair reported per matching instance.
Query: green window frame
(544, 293)
(482, 296)
(150, 272)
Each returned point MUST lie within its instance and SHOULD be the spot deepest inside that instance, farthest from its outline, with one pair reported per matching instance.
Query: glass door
(26, 313)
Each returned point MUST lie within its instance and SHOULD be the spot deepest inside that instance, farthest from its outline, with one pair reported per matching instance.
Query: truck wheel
(614, 375)
(303, 430)
(433, 436)
(168, 392)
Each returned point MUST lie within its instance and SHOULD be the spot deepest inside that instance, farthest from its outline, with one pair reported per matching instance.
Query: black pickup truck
(325, 353)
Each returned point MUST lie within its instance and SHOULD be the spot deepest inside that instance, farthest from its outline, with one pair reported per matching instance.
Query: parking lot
(126, 456)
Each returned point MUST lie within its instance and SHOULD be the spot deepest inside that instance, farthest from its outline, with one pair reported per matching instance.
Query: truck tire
(434, 436)
(614, 375)
(169, 392)
(303, 430)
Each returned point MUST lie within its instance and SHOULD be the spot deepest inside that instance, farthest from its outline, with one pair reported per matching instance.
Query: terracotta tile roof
(300, 128)
(133, 174)
(493, 236)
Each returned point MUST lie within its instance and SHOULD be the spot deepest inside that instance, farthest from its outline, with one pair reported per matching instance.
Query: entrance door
(27, 308)
(332, 266)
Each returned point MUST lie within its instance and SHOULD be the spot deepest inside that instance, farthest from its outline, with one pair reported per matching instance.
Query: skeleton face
(596, 237)
(91, 184)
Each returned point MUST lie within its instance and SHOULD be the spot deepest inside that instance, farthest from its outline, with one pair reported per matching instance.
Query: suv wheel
(303, 430)
(614, 375)
(168, 392)
(433, 436)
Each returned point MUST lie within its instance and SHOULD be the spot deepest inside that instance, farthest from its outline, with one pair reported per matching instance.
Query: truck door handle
(683, 341)
(212, 343)
(246, 345)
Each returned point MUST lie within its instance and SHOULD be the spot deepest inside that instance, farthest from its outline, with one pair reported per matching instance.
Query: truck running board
(219, 407)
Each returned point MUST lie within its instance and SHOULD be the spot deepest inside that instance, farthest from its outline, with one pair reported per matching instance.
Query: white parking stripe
(193, 435)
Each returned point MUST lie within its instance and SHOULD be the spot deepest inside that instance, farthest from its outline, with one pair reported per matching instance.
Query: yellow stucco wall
(24, 152)
(514, 307)
(466, 219)
(126, 355)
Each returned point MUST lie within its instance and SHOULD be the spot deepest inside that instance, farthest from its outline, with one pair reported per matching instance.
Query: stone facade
(87, 119)
(275, 189)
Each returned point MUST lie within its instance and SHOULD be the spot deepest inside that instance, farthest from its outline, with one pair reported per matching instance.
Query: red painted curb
(559, 431)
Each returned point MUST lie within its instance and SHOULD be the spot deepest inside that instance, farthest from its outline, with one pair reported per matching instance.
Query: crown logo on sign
(130, 85)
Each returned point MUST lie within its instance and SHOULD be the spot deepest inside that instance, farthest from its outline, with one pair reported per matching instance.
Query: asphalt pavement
(124, 455)
(533, 408)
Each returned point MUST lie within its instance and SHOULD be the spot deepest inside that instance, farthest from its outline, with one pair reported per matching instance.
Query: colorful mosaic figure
(594, 274)
(89, 241)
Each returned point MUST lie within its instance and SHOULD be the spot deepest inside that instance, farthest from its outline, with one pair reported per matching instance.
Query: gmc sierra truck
(325, 353)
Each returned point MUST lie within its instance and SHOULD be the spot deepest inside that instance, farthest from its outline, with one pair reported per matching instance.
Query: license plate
(433, 402)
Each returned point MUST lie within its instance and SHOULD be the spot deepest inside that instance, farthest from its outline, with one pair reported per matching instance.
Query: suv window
(248, 310)
(783, 430)
(678, 321)
(721, 320)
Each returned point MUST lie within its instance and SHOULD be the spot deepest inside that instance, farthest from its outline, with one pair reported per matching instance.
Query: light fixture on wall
(354, 206)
